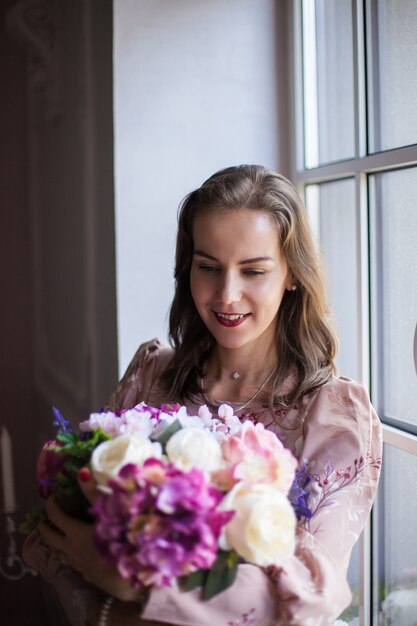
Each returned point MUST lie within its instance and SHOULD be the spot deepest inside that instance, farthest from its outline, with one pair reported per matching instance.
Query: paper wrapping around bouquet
(252, 596)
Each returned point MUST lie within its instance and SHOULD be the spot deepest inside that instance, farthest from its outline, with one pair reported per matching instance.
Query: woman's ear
(291, 283)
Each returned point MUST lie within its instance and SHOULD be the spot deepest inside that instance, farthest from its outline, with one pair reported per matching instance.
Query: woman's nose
(229, 290)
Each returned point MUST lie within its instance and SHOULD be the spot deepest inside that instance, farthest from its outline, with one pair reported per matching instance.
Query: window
(355, 88)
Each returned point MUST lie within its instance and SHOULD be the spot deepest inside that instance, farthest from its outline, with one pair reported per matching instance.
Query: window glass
(351, 614)
(332, 210)
(394, 203)
(396, 563)
(328, 81)
(392, 60)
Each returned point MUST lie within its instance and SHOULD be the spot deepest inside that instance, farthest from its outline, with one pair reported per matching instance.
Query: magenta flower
(159, 523)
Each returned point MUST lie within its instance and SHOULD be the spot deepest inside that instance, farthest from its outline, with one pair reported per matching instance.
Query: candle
(9, 503)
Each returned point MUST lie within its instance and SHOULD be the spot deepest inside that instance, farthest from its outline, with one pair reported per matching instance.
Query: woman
(249, 327)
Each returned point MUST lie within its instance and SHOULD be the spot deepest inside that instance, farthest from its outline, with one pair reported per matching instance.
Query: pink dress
(336, 433)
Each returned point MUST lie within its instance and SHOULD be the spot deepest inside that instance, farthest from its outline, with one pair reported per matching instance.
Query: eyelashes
(249, 272)
(212, 269)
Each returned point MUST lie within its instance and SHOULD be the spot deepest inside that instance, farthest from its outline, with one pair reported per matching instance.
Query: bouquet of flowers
(183, 498)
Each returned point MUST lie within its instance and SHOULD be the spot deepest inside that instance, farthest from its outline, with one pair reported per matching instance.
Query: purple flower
(60, 422)
(299, 493)
(159, 523)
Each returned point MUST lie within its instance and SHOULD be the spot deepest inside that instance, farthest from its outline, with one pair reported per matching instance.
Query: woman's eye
(250, 272)
(208, 268)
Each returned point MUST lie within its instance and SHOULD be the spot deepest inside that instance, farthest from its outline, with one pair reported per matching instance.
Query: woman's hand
(73, 542)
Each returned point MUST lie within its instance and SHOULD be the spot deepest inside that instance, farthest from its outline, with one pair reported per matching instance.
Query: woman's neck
(235, 374)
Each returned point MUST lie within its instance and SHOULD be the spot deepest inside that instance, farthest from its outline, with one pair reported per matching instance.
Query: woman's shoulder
(341, 425)
(339, 387)
(152, 351)
(146, 367)
(342, 400)
(343, 385)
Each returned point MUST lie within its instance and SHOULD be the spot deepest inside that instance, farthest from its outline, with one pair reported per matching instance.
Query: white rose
(110, 456)
(194, 447)
(262, 529)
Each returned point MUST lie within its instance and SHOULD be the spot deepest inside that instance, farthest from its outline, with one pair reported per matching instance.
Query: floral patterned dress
(336, 435)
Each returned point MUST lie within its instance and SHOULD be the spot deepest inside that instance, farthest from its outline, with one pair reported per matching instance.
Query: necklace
(216, 403)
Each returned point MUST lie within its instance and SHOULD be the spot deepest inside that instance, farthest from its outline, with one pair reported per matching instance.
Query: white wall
(195, 90)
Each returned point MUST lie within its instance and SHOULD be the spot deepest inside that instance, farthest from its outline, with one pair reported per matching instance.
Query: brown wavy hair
(305, 339)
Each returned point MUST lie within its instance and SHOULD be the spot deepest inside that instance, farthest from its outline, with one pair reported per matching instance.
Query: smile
(230, 319)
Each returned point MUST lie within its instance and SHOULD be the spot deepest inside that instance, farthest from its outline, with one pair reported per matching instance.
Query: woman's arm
(342, 445)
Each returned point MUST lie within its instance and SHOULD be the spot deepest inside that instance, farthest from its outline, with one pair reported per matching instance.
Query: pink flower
(255, 455)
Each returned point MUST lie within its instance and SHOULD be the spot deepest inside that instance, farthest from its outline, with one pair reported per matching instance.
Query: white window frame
(359, 167)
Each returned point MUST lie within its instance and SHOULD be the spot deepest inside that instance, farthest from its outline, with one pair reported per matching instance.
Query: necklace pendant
(235, 375)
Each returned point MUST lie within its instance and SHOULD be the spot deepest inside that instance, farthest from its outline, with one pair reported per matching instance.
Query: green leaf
(196, 579)
(167, 434)
(65, 437)
(222, 575)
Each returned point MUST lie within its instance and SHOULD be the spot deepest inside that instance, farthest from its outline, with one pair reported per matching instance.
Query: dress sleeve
(341, 447)
(74, 593)
(141, 377)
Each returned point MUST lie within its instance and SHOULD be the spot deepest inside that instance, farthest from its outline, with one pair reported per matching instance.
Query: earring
(292, 288)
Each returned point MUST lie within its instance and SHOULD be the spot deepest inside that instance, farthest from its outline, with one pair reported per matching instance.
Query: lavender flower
(60, 422)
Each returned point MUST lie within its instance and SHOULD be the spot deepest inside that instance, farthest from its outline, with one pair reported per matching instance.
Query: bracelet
(105, 610)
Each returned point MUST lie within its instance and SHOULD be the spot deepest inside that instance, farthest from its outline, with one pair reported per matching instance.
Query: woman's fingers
(88, 484)
(70, 538)
(59, 518)
(53, 538)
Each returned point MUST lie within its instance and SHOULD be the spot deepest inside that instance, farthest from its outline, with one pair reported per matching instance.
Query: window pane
(333, 205)
(392, 60)
(351, 614)
(394, 203)
(396, 563)
(328, 81)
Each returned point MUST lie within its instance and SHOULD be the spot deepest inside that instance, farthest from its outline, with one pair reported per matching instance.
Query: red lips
(227, 321)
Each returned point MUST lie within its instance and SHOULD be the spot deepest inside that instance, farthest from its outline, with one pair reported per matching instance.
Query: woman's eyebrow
(244, 262)
(205, 255)
(256, 259)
